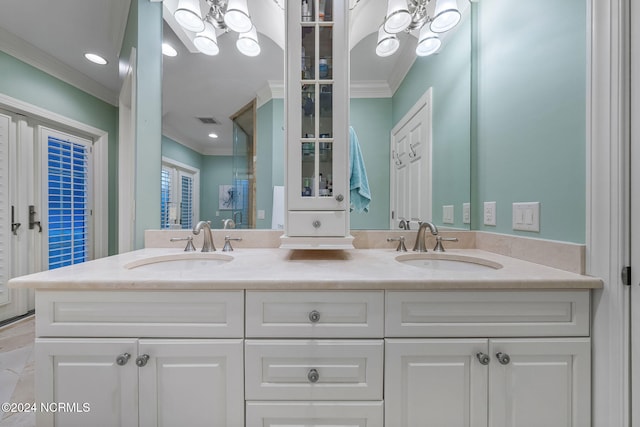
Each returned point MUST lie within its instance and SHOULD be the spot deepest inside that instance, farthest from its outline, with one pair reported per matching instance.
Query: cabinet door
(192, 383)
(435, 383)
(84, 371)
(544, 382)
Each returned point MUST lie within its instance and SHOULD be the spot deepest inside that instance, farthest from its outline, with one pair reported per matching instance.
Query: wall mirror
(239, 99)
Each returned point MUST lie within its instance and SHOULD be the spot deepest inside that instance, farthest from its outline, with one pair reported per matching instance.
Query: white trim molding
(608, 206)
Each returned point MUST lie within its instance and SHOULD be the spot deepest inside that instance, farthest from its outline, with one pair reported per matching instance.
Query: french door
(46, 208)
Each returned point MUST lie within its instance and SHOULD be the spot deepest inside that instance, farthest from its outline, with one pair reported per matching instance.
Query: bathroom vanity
(271, 337)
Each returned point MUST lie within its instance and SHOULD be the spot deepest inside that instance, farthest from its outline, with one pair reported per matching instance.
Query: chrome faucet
(235, 217)
(228, 223)
(420, 245)
(208, 237)
(404, 224)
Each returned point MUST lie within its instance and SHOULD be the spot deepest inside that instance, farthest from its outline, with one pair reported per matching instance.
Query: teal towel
(359, 184)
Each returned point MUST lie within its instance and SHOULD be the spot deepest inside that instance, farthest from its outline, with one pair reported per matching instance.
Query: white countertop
(279, 269)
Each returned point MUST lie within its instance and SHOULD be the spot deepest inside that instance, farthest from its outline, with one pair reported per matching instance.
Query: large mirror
(411, 115)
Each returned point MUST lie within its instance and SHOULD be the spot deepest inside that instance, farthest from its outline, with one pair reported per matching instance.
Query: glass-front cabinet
(317, 100)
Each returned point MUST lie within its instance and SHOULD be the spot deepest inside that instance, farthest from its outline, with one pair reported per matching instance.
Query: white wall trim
(370, 89)
(126, 157)
(41, 60)
(274, 89)
(101, 163)
(607, 207)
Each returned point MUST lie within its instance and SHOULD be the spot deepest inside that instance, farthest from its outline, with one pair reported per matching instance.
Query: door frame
(426, 102)
(101, 157)
(607, 207)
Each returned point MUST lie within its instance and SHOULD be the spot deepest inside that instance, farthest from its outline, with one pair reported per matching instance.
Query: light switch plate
(489, 213)
(466, 213)
(447, 214)
(260, 213)
(526, 216)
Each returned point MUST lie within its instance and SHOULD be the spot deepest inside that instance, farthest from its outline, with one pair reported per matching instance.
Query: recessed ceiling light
(213, 135)
(168, 50)
(96, 59)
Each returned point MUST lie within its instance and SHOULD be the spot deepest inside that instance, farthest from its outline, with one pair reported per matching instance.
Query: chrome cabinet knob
(313, 376)
(142, 360)
(503, 358)
(123, 359)
(316, 224)
(483, 358)
(314, 316)
(339, 197)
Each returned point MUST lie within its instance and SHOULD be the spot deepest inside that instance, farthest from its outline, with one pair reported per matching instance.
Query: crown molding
(26, 52)
(370, 89)
(274, 89)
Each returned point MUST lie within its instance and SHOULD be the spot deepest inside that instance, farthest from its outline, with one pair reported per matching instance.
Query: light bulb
(387, 43)
(398, 17)
(428, 42)
(248, 44)
(446, 16)
(237, 16)
(189, 16)
(206, 41)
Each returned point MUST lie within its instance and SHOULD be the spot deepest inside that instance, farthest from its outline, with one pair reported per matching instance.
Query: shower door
(244, 186)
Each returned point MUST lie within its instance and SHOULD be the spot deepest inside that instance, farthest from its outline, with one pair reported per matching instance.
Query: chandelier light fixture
(413, 15)
(225, 15)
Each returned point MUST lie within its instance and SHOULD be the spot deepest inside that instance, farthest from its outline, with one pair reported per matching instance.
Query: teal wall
(448, 73)
(180, 153)
(216, 170)
(371, 120)
(28, 84)
(531, 114)
(144, 31)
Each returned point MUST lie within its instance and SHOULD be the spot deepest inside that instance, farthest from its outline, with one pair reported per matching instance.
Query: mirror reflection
(223, 120)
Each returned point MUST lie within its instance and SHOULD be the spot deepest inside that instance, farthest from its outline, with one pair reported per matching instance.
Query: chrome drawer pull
(142, 360)
(123, 359)
(313, 376)
(484, 359)
(314, 316)
(503, 358)
(316, 224)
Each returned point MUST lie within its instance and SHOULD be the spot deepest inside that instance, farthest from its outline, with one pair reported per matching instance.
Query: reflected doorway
(244, 166)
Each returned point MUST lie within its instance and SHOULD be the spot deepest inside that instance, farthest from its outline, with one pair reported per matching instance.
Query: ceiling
(54, 35)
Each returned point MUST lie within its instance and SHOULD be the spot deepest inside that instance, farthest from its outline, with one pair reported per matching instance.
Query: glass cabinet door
(319, 132)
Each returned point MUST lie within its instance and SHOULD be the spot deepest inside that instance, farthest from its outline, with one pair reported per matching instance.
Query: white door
(192, 383)
(85, 373)
(435, 382)
(540, 382)
(411, 164)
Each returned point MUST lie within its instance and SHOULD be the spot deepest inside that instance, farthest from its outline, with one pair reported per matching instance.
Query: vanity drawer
(316, 223)
(185, 314)
(315, 314)
(487, 314)
(315, 414)
(313, 369)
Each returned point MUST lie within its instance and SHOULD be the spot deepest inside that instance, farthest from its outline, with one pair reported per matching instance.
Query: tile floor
(16, 370)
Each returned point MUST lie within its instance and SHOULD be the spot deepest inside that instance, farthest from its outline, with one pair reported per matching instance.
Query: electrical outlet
(466, 213)
(447, 214)
(490, 213)
(526, 216)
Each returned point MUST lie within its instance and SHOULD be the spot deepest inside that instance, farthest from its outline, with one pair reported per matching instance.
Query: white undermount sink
(188, 261)
(448, 262)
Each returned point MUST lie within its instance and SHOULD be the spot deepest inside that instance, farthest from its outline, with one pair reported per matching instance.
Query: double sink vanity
(263, 336)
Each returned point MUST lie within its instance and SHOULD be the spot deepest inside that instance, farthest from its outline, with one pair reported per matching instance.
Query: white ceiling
(54, 35)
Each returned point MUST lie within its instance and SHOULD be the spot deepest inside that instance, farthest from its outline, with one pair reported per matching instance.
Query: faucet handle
(227, 243)
(189, 239)
(401, 247)
(440, 239)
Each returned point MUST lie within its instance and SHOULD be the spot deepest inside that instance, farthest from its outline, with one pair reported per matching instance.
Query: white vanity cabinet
(317, 145)
(481, 382)
(130, 380)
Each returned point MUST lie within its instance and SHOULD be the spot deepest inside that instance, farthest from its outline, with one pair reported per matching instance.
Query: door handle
(32, 219)
(14, 225)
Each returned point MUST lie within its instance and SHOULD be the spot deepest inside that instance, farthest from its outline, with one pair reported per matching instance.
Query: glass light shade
(237, 16)
(398, 17)
(189, 16)
(168, 50)
(206, 41)
(248, 44)
(446, 16)
(428, 42)
(387, 44)
(96, 59)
